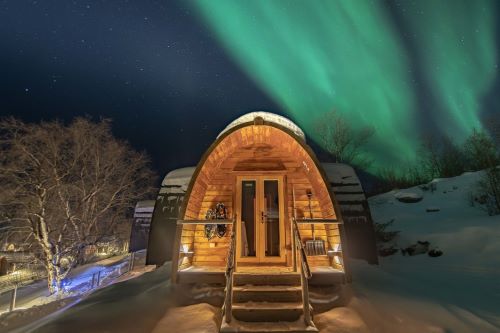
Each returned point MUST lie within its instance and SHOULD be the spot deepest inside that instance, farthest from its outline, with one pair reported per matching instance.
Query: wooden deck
(321, 275)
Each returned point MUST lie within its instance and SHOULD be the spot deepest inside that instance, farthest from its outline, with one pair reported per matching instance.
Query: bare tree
(342, 141)
(441, 157)
(481, 151)
(483, 154)
(489, 190)
(492, 124)
(66, 187)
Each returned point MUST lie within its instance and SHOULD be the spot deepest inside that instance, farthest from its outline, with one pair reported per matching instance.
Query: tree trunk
(51, 276)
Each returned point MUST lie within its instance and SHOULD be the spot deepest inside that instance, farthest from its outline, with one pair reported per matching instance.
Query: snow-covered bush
(481, 151)
(441, 157)
(489, 190)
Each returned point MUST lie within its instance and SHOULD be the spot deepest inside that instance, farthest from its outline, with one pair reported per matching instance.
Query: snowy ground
(458, 292)
(34, 303)
(37, 293)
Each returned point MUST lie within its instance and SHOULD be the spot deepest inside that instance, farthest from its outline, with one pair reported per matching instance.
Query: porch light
(335, 252)
(185, 251)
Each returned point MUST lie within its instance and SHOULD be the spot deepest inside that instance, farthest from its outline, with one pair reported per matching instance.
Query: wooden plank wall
(216, 183)
(329, 233)
(212, 252)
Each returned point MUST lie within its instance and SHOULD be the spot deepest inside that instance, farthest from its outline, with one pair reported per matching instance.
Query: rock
(388, 251)
(435, 253)
(432, 209)
(408, 197)
(419, 248)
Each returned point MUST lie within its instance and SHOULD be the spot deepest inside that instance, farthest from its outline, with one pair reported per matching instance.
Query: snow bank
(457, 292)
(200, 318)
(131, 306)
(341, 320)
(467, 235)
(20, 317)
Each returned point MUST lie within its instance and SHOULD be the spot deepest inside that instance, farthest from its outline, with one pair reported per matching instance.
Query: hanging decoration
(210, 229)
(219, 213)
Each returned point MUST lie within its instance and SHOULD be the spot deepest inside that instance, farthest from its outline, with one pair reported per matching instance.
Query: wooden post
(294, 249)
(98, 278)
(294, 255)
(131, 261)
(230, 267)
(305, 298)
(176, 253)
(93, 281)
(13, 298)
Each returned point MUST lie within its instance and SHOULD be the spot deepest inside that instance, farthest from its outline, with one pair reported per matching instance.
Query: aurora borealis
(176, 71)
(369, 61)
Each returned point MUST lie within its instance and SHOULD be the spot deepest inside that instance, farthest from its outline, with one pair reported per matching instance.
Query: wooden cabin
(281, 226)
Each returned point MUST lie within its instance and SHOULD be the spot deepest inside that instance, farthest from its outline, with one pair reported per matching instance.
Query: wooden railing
(204, 222)
(305, 271)
(319, 221)
(230, 268)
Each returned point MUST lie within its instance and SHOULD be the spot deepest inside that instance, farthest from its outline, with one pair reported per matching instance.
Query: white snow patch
(200, 318)
(408, 197)
(179, 177)
(340, 173)
(267, 116)
(341, 320)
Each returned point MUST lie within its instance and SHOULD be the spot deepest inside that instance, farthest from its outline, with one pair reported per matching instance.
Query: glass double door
(260, 213)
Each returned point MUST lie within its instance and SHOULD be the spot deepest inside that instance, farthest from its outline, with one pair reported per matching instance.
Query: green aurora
(316, 56)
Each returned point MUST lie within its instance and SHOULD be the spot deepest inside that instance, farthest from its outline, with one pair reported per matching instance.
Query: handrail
(318, 221)
(215, 221)
(230, 266)
(301, 250)
(305, 273)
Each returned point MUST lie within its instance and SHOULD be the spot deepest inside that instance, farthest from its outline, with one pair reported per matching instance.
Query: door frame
(260, 257)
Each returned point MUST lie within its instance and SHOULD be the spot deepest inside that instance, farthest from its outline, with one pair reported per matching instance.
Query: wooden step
(273, 327)
(267, 311)
(249, 293)
(288, 279)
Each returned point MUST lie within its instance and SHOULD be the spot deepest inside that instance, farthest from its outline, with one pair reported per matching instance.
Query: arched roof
(269, 117)
(258, 134)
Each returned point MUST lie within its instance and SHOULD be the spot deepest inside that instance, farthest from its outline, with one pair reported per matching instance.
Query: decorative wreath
(219, 213)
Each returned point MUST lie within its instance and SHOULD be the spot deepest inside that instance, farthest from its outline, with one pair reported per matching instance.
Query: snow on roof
(178, 177)
(267, 116)
(340, 173)
(145, 206)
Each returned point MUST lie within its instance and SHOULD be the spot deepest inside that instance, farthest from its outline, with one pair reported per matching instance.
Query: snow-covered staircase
(267, 303)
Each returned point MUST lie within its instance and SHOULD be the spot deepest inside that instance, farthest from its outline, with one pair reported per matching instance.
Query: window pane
(248, 218)
(272, 211)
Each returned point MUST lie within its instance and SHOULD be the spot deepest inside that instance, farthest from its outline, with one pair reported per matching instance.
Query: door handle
(263, 217)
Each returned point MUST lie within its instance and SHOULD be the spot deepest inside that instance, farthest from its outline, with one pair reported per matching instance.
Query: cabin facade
(258, 215)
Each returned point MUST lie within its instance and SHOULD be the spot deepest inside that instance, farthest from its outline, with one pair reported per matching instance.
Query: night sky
(173, 74)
